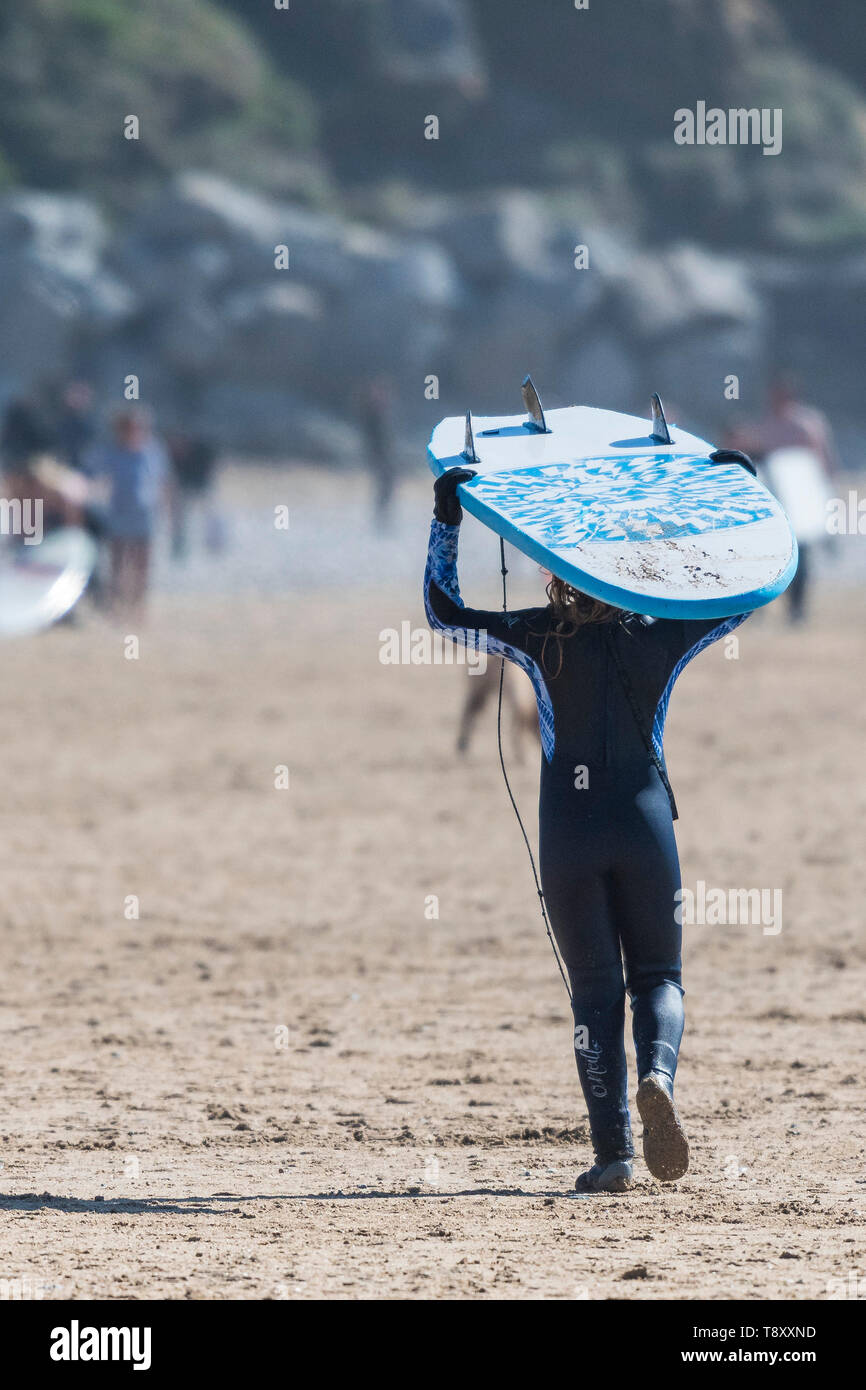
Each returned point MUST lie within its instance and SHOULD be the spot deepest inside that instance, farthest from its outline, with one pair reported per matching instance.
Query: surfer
(791, 424)
(608, 856)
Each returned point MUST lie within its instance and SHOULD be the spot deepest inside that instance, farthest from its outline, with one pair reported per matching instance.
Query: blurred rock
(822, 302)
(429, 41)
(53, 288)
(494, 237)
(475, 293)
(396, 317)
(275, 422)
(53, 228)
(272, 333)
(690, 370)
(601, 371)
(665, 290)
(222, 234)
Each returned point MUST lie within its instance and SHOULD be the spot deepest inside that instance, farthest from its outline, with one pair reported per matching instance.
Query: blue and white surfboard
(629, 511)
(39, 584)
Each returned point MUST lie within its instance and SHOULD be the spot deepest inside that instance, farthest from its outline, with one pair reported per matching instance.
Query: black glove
(734, 456)
(446, 506)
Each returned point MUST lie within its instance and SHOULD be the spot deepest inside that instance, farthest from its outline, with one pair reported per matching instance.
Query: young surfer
(608, 855)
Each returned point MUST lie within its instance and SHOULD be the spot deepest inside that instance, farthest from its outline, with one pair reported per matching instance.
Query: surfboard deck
(796, 478)
(39, 584)
(603, 503)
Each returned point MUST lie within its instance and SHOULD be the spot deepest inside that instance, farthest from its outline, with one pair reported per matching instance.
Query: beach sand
(285, 1078)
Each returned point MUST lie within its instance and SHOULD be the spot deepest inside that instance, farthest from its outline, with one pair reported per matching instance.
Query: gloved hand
(446, 506)
(734, 456)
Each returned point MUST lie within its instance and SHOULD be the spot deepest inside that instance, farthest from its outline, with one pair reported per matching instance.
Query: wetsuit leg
(578, 906)
(644, 903)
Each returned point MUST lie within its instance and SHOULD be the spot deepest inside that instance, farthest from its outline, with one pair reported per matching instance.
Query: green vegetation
(71, 70)
(330, 95)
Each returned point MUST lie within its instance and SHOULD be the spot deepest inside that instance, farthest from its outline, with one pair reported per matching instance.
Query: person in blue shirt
(134, 466)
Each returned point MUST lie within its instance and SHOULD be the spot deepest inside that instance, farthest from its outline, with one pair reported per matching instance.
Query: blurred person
(193, 464)
(791, 424)
(31, 471)
(24, 433)
(375, 412)
(481, 688)
(63, 496)
(76, 426)
(135, 469)
(608, 856)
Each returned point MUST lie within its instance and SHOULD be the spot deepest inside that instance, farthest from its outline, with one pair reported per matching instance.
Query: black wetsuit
(608, 856)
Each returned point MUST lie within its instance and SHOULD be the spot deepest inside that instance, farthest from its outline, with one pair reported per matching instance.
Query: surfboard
(40, 583)
(627, 510)
(796, 478)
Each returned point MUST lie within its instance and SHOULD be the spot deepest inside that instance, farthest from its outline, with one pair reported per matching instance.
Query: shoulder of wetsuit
(535, 622)
(634, 623)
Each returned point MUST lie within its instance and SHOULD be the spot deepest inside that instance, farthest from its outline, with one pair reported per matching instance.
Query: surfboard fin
(532, 402)
(469, 441)
(659, 431)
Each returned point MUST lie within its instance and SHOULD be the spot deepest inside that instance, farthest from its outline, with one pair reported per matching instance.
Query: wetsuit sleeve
(684, 639)
(500, 633)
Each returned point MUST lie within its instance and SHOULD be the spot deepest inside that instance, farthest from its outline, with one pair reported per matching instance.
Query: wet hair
(575, 609)
(572, 610)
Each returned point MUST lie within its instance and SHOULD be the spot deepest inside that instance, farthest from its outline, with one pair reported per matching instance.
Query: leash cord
(538, 888)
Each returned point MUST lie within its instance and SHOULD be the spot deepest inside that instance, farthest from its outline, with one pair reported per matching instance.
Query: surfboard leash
(538, 888)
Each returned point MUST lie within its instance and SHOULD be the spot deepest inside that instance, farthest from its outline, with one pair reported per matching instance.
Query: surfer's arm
(497, 633)
(446, 611)
(491, 630)
(441, 572)
(500, 633)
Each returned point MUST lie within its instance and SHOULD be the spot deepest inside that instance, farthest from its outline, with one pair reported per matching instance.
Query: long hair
(572, 610)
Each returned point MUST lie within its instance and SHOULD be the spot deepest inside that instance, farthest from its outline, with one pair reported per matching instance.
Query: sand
(285, 1078)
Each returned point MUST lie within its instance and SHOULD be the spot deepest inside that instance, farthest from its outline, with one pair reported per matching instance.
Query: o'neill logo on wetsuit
(591, 1054)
